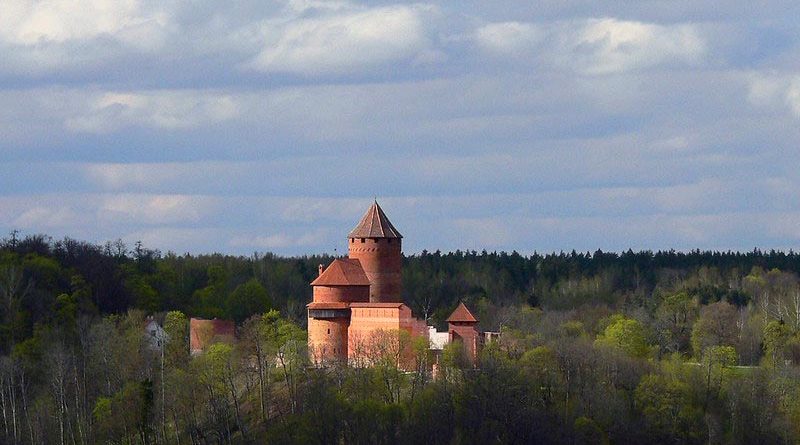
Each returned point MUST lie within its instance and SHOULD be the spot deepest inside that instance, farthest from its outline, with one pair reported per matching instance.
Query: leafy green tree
(176, 328)
(210, 300)
(539, 366)
(776, 337)
(14, 289)
(626, 334)
(674, 319)
(666, 407)
(216, 369)
(717, 362)
(144, 295)
(248, 299)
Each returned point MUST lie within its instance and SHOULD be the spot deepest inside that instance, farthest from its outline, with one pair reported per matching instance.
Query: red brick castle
(359, 298)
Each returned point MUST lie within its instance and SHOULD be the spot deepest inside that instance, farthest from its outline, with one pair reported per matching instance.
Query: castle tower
(342, 283)
(377, 245)
(463, 327)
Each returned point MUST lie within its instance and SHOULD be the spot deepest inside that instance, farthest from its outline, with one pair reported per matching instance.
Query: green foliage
(674, 319)
(176, 328)
(248, 299)
(573, 328)
(776, 338)
(627, 335)
(667, 407)
(75, 367)
(102, 410)
(722, 356)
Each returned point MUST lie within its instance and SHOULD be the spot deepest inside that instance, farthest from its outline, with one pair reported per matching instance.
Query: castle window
(329, 331)
(362, 240)
(374, 240)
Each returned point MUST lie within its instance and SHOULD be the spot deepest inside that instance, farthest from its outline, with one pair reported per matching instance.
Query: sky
(205, 126)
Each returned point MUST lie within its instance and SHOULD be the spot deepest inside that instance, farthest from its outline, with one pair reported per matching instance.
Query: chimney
(321, 269)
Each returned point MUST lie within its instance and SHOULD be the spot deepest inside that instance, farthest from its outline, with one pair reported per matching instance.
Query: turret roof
(374, 224)
(343, 272)
(462, 315)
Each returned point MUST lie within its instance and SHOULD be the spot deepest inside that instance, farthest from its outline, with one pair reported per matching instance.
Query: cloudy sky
(253, 125)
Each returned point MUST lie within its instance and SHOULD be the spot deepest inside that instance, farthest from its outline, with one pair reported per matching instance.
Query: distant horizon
(343, 252)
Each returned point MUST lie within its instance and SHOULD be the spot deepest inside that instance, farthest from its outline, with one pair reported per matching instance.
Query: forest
(595, 347)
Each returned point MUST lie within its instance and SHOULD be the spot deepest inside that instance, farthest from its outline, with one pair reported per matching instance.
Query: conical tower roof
(374, 224)
(462, 315)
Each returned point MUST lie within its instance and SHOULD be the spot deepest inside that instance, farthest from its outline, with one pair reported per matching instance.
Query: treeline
(112, 278)
(632, 347)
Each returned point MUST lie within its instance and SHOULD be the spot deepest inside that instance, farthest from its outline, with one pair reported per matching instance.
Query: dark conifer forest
(594, 347)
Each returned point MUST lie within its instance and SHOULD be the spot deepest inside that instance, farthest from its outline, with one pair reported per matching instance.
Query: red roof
(374, 224)
(462, 315)
(342, 272)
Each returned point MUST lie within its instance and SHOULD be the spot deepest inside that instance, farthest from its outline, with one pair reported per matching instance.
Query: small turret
(463, 327)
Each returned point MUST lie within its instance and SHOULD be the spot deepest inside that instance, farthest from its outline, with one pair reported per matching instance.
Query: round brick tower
(377, 245)
(341, 283)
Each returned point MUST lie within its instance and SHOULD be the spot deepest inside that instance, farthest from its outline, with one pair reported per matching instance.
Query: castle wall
(375, 329)
(468, 335)
(327, 339)
(382, 261)
(331, 294)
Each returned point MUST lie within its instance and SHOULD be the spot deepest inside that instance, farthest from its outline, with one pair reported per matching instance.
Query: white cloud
(612, 46)
(596, 46)
(774, 90)
(160, 109)
(31, 22)
(509, 37)
(344, 41)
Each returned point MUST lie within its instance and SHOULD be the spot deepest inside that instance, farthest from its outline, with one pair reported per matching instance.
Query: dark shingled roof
(375, 224)
(462, 315)
(342, 272)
